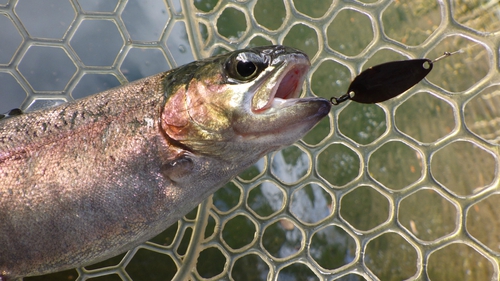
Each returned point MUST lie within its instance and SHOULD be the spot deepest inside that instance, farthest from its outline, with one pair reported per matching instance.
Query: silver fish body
(92, 178)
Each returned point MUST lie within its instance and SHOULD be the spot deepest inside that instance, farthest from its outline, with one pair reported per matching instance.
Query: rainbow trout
(93, 178)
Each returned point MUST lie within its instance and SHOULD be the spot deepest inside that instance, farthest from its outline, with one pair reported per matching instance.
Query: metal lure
(388, 80)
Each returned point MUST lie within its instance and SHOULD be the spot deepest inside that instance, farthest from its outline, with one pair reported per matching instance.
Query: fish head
(241, 104)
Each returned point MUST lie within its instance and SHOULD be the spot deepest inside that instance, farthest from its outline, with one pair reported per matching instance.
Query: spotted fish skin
(93, 178)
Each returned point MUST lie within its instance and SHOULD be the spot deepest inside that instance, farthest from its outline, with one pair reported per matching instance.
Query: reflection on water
(282, 239)
(266, 199)
(290, 165)
(250, 267)
(311, 203)
(332, 247)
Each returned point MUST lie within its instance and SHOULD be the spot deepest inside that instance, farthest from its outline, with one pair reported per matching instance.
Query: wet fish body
(92, 178)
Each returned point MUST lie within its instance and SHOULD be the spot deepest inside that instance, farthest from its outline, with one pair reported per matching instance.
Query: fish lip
(287, 87)
(290, 121)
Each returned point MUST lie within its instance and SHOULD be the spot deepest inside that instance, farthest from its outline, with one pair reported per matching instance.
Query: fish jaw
(282, 124)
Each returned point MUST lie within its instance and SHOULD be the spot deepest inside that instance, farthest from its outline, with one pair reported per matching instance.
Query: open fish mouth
(278, 114)
(283, 86)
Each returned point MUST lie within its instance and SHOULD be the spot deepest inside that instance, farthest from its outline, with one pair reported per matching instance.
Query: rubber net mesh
(406, 189)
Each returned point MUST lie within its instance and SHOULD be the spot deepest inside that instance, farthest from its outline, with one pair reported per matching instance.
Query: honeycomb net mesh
(405, 189)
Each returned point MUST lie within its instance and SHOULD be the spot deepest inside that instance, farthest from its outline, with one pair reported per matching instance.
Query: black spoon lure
(385, 81)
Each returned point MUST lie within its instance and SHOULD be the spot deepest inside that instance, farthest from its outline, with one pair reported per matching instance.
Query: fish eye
(246, 69)
(244, 66)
